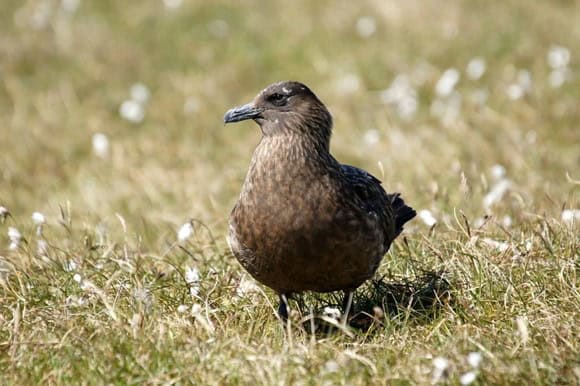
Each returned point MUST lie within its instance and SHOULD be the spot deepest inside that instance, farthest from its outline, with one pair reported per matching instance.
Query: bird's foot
(346, 306)
(283, 307)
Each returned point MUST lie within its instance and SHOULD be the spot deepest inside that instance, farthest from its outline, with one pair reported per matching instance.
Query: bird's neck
(284, 165)
(293, 150)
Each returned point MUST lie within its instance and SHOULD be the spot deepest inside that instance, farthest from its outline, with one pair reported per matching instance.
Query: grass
(107, 301)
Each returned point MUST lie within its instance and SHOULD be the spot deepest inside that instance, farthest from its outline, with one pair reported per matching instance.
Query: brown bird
(304, 221)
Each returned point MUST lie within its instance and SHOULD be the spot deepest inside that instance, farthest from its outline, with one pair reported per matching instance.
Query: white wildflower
(199, 315)
(402, 95)
(14, 234)
(38, 218)
(464, 185)
(332, 312)
(140, 93)
(41, 15)
(192, 279)
(475, 68)
(74, 301)
(497, 172)
(70, 266)
(558, 77)
(496, 193)
(514, 91)
(42, 247)
(191, 275)
(569, 216)
(191, 105)
(371, 137)
(407, 107)
(132, 111)
(440, 366)
(525, 80)
(5, 271)
(89, 286)
(474, 359)
(501, 246)
(446, 84)
(440, 363)
(398, 89)
(246, 286)
(100, 145)
(468, 378)
(447, 109)
(172, 4)
(185, 231)
(506, 221)
(522, 86)
(141, 294)
(3, 211)
(366, 26)
(427, 217)
(182, 308)
(144, 297)
(78, 278)
(378, 313)
(196, 309)
(15, 237)
(531, 137)
(558, 57)
(70, 6)
(331, 366)
(135, 321)
(522, 325)
(347, 84)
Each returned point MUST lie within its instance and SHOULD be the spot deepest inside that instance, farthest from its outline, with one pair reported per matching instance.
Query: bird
(304, 221)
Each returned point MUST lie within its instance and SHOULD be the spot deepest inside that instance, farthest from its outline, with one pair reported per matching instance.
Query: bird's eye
(277, 99)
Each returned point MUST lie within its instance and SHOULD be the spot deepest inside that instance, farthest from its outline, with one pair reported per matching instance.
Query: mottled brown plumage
(303, 221)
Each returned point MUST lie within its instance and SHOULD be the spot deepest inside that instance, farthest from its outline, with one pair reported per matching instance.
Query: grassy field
(111, 129)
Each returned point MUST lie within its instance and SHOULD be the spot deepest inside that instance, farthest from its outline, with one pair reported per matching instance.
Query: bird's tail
(402, 212)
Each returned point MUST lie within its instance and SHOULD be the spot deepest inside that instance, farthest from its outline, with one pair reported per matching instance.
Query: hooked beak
(241, 113)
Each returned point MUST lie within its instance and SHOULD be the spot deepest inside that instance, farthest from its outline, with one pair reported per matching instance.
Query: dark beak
(241, 113)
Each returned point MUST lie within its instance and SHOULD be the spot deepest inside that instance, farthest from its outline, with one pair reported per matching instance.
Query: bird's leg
(283, 307)
(346, 305)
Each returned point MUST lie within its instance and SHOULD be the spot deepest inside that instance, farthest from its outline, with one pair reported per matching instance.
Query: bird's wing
(390, 208)
(367, 187)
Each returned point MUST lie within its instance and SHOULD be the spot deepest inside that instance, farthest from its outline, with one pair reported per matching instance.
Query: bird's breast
(280, 209)
(288, 199)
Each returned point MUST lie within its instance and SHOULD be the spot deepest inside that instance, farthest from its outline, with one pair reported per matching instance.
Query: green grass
(114, 316)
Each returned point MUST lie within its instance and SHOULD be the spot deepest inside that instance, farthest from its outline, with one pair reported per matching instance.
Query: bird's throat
(292, 150)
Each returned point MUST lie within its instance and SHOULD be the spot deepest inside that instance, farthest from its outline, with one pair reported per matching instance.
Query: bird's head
(286, 108)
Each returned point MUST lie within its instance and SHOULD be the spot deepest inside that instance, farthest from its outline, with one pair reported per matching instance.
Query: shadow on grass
(416, 299)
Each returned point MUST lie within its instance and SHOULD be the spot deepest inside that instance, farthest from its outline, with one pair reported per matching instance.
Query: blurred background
(112, 140)
(116, 106)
